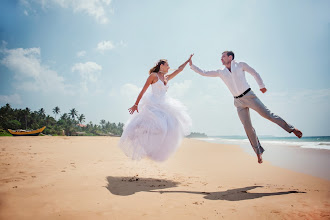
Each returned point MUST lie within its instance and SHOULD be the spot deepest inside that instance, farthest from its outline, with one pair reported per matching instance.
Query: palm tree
(48, 120)
(108, 125)
(103, 122)
(81, 118)
(64, 117)
(8, 107)
(73, 113)
(56, 111)
(41, 113)
(27, 113)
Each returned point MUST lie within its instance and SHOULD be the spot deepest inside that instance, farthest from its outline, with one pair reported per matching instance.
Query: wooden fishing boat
(26, 133)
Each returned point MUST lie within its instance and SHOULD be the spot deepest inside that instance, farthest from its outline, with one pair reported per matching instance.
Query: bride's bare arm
(176, 72)
(149, 81)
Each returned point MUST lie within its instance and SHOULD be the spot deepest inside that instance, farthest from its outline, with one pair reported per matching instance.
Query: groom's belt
(243, 94)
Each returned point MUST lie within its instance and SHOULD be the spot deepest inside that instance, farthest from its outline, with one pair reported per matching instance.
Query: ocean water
(315, 142)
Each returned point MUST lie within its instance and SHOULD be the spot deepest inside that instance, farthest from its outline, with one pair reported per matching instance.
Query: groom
(244, 98)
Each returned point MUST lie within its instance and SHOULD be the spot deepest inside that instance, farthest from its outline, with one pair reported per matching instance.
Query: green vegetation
(4, 133)
(67, 124)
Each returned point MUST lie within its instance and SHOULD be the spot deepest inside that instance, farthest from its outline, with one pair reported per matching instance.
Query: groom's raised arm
(212, 73)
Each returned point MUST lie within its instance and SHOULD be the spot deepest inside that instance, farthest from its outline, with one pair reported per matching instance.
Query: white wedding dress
(157, 130)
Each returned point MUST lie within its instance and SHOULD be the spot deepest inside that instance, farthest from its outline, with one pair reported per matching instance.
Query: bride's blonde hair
(156, 68)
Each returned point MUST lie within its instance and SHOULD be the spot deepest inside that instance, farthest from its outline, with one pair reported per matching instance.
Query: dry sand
(90, 178)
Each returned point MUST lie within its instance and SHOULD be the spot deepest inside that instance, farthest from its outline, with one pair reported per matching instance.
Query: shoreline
(91, 178)
(310, 161)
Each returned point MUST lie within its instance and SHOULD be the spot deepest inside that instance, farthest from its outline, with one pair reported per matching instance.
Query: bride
(159, 122)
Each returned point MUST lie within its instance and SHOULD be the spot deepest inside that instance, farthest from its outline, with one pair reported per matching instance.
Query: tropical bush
(67, 124)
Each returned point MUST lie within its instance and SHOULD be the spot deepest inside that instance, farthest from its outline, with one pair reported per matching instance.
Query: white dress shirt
(235, 80)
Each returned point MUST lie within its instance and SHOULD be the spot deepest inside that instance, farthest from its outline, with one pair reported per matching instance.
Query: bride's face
(164, 67)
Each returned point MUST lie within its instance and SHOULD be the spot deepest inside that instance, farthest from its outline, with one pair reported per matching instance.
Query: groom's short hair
(230, 53)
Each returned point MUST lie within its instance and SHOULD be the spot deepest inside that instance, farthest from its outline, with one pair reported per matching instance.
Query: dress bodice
(158, 88)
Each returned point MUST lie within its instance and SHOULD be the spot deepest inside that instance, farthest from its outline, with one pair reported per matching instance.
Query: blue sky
(94, 55)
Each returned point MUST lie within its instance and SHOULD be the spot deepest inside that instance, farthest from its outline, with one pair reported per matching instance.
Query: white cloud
(88, 70)
(108, 45)
(89, 73)
(178, 89)
(94, 8)
(27, 7)
(30, 74)
(81, 53)
(11, 99)
(105, 45)
(129, 90)
(25, 62)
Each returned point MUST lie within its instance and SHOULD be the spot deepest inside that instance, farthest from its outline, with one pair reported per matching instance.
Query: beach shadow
(125, 186)
(233, 194)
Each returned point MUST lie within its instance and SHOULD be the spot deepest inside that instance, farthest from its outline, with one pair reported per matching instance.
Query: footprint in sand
(198, 203)
(12, 180)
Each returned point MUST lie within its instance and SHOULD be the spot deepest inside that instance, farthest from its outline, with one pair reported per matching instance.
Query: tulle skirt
(157, 130)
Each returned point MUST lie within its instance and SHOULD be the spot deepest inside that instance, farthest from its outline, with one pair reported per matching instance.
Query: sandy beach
(90, 178)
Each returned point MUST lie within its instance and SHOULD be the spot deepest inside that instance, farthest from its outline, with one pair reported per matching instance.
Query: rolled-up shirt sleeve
(212, 73)
(254, 73)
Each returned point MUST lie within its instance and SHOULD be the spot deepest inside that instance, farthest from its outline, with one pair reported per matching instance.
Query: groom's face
(225, 59)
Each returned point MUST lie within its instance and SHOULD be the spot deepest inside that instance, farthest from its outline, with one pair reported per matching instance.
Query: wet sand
(315, 162)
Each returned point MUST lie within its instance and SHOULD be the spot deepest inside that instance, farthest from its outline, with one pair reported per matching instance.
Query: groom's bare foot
(297, 132)
(259, 158)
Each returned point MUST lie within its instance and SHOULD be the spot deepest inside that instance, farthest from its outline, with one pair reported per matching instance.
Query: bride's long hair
(156, 68)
